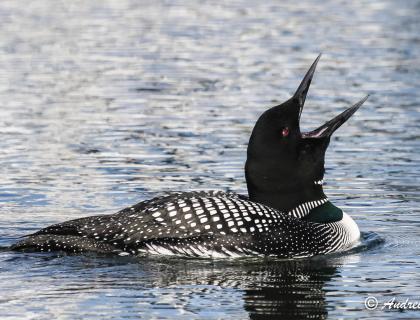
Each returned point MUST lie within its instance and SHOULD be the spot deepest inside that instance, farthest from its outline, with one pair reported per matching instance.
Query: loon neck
(286, 200)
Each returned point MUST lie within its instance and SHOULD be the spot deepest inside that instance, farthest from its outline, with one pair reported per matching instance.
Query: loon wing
(180, 215)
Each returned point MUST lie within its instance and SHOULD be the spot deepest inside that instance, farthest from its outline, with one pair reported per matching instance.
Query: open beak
(327, 129)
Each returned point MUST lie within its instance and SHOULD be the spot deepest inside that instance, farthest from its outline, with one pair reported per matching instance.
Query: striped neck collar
(303, 209)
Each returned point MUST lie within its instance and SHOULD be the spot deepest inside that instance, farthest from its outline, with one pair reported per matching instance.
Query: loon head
(285, 166)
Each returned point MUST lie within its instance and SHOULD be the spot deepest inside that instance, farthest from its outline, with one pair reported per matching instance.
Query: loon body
(286, 213)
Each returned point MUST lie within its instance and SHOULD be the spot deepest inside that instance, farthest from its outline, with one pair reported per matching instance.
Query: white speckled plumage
(200, 224)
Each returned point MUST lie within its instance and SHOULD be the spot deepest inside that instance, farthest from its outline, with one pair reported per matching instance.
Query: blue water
(105, 104)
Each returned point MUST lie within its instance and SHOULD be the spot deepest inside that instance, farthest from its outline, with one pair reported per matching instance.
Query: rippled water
(104, 104)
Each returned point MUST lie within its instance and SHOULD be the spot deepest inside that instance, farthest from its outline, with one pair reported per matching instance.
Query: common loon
(286, 214)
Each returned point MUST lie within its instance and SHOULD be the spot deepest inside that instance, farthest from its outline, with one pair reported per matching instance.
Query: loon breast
(349, 229)
(200, 224)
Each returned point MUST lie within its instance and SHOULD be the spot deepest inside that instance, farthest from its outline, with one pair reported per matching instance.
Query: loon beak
(302, 91)
(327, 129)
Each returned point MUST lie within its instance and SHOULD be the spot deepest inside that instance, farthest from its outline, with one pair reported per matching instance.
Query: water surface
(104, 104)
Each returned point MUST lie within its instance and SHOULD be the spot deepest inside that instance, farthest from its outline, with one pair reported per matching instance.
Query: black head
(284, 165)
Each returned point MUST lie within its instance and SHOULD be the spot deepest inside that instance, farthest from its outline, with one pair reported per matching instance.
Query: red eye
(285, 132)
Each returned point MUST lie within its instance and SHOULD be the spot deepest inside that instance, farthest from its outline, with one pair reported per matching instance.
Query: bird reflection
(272, 289)
(255, 288)
(290, 290)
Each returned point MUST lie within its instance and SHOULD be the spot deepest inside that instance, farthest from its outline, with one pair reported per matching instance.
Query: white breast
(345, 234)
(351, 229)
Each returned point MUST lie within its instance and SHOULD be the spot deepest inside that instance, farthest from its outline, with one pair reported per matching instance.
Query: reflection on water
(181, 287)
(104, 105)
(185, 287)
